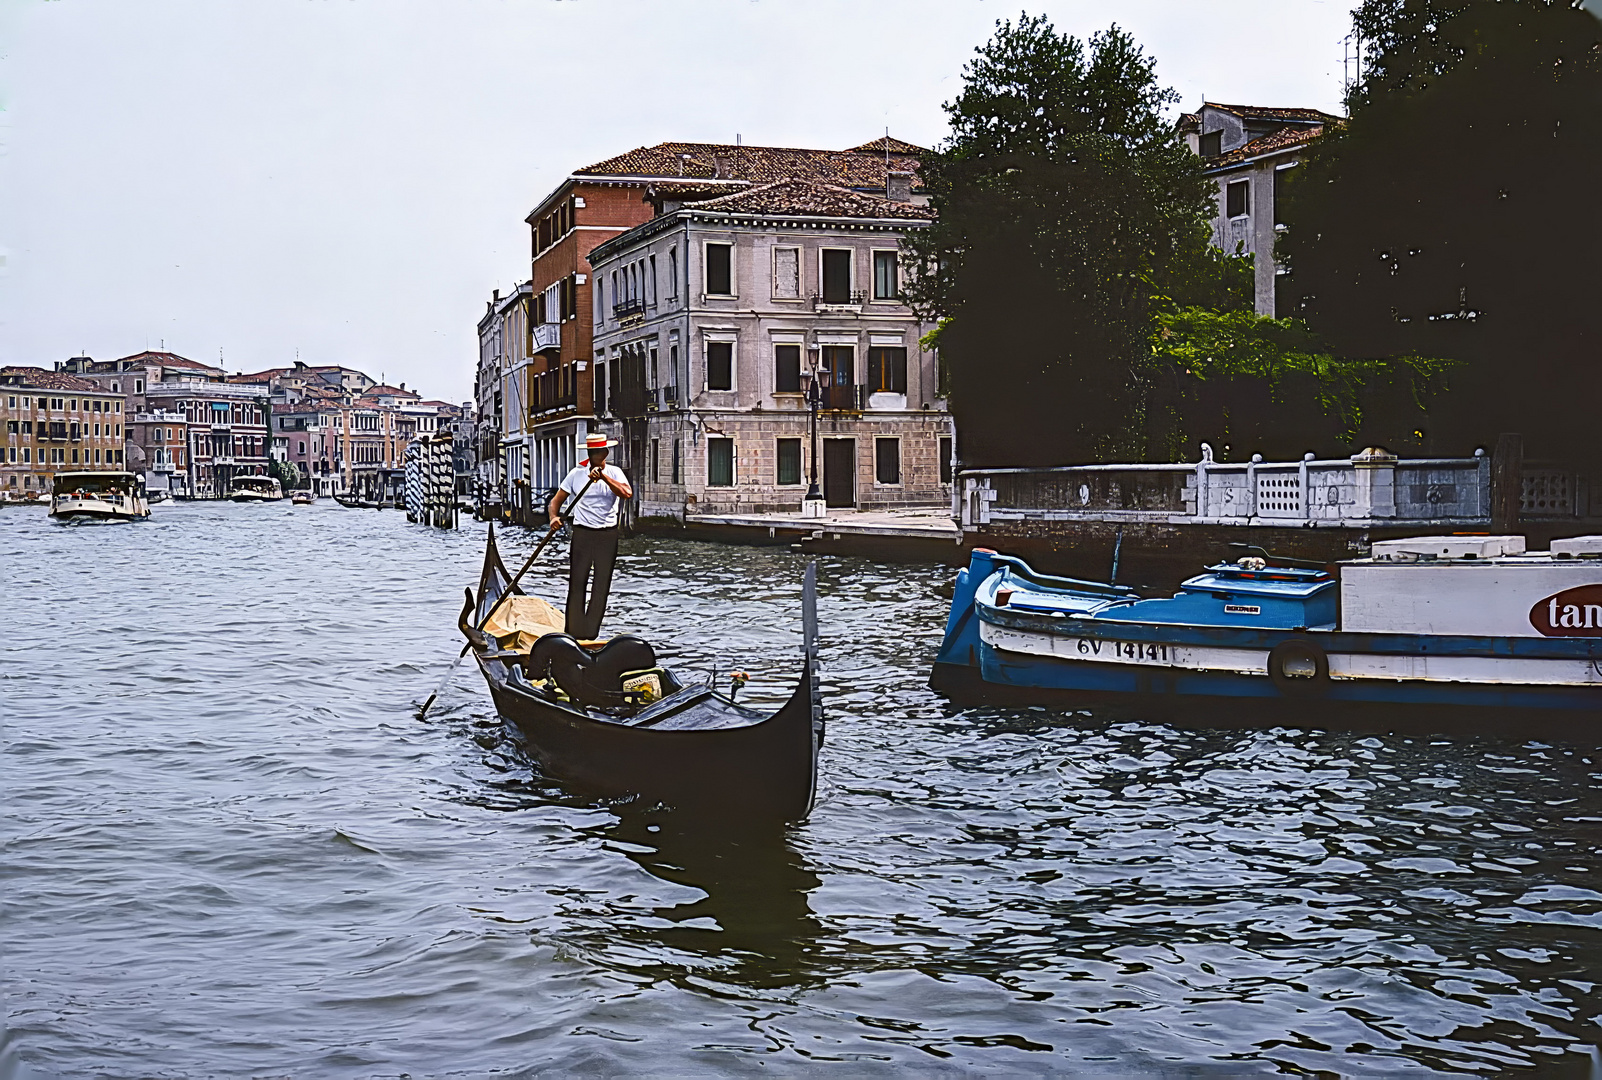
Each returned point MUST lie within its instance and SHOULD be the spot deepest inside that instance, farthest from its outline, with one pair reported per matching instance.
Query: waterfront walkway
(923, 533)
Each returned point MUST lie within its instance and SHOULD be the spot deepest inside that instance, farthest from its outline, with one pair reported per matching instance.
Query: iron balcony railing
(854, 298)
(627, 308)
(848, 397)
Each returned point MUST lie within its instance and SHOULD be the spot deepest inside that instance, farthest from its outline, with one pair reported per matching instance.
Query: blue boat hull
(971, 668)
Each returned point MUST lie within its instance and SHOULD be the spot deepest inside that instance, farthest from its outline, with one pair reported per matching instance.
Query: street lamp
(813, 504)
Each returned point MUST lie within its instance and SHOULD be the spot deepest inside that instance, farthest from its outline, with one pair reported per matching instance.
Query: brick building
(711, 319)
(55, 422)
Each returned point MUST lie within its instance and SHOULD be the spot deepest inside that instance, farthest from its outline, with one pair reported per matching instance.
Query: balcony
(839, 302)
(629, 311)
(669, 397)
(547, 337)
(847, 398)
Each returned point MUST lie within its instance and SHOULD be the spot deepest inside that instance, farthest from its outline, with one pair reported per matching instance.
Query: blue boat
(1423, 626)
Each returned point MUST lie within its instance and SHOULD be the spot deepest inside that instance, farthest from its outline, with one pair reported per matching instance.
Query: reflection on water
(752, 923)
(232, 849)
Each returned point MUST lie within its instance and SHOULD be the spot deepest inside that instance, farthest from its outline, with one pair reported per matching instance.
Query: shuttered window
(720, 462)
(789, 471)
(787, 273)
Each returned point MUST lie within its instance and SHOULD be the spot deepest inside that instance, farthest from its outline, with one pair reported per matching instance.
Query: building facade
(554, 400)
(56, 422)
(1246, 151)
(716, 322)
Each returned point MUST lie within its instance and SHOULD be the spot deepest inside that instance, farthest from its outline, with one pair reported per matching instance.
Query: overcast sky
(348, 178)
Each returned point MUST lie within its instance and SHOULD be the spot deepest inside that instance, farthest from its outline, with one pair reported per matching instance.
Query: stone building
(713, 321)
(1246, 151)
(503, 388)
(603, 201)
(55, 422)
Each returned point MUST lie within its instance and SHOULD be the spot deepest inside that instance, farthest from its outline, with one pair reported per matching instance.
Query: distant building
(56, 422)
(708, 317)
(1246, 150)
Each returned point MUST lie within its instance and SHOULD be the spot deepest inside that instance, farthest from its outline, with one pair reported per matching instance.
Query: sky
(345, 181)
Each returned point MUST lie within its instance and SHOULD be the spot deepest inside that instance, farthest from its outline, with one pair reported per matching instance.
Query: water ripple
(231, 849)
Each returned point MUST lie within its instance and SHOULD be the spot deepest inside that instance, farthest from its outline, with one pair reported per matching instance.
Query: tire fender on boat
(1298, 653)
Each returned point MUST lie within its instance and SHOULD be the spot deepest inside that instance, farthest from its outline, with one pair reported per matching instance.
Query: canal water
(232, 849)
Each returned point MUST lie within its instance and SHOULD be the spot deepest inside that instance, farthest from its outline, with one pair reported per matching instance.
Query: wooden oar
(546, 539)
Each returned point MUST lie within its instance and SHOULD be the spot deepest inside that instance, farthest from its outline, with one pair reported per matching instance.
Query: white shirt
(598, 508)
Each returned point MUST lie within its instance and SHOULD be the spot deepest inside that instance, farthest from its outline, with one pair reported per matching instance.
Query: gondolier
(594, 547)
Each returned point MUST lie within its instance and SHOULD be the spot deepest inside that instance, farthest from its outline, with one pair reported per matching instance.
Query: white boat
(303, 498)
(1454, 624)
(256, 489)
(98, 496)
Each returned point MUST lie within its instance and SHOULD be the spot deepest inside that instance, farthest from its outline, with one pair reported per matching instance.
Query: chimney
(720, 165)
(495, 295)
(898, 186)
(403, 386)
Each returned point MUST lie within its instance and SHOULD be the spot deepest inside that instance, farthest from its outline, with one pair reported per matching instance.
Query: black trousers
(592, 550)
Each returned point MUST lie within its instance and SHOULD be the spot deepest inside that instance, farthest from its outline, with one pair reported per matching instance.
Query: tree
(1455, 216)
(287, 473)
(1066, 202)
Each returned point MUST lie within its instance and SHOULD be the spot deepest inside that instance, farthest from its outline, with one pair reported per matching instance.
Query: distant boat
(256, 489)
(98, 496)
(303, 498)
(1445, 625)
(154, 497)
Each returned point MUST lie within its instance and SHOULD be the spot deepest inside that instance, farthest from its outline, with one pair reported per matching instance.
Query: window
(887, 370)
(673, 365)
(1235, 201)
(887, 460)
(302, 450)
(719, 462)
(945, 459)
(75, 457)
(139, 386)
(789, 461)
(786, 273)
(720, 365)
(786, 369)
(839, 365)
(656, 461)
(836, 276)
(886, 276)
(673, 272)
(600, 386)
(1212, 143)
(73, 405)
(1279, 204)
(719, 270)
(654, 381)
(650, 295)
(675, 461)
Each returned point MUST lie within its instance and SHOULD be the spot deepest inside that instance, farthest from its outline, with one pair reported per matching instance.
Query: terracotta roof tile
(1255, 112)
(753, 164)
(807, 198)
(44, 379)
(895, 146)
(1282, 139)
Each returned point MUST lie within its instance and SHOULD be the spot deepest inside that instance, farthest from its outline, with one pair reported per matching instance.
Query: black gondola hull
(707, 756)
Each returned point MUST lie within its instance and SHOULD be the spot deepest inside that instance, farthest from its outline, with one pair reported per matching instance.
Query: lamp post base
(814, 508)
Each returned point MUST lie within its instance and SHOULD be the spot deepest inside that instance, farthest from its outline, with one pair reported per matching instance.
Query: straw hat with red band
(598, 441)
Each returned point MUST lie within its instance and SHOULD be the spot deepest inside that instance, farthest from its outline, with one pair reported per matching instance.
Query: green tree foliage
(287, 473)
(1066, 203)
(1455, 215)
(1083, 312)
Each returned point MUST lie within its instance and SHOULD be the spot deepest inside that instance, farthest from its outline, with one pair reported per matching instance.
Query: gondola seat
(590, 678)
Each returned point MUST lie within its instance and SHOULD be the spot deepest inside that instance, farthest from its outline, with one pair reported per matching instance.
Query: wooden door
(840, 472)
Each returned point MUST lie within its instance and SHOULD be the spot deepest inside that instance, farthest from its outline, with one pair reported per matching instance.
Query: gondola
(605, 719)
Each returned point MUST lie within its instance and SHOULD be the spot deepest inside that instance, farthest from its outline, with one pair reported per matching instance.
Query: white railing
(1364, 490)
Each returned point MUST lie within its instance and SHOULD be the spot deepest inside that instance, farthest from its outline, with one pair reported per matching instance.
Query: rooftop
(809, 198)
(1283, 139)
(43, 379)
(859, 167)
(1283, 116)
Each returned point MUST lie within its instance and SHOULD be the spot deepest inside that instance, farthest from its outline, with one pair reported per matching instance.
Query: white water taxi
(98, 496)
(256, 489)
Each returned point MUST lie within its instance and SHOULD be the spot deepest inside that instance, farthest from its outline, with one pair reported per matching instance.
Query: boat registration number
(1125, 650)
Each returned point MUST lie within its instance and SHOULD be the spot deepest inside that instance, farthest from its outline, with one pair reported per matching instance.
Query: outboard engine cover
(589, 678)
